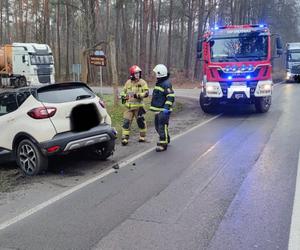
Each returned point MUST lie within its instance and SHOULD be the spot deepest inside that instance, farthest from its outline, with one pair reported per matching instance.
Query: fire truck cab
(237, 66)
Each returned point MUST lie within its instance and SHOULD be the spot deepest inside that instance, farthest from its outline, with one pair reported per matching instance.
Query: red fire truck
(237, 66)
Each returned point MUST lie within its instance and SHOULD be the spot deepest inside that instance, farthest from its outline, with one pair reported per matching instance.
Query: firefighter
(162, 102)
(134, 91)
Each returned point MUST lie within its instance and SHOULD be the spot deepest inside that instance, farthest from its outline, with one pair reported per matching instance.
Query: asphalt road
(228, 184)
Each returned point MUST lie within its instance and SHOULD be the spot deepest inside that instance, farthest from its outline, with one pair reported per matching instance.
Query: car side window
(8, 103)
(22, 96)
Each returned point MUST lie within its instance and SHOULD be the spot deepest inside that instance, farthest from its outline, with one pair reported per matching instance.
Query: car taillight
(102, 103)
(53, 149)
(42, 112)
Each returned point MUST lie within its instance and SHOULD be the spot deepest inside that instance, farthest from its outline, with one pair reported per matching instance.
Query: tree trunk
(67, 39)
(188, 44)
(143, 44)
(113, 65)
(46, 22)
(7, 22)
(58, 40)
(170, 35)
(157, 32)
(24, 39)
(116, 35)
(150, 66)
(1, 22)
(125, 38)
(201, 24)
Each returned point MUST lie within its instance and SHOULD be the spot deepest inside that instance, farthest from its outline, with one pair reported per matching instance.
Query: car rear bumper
(69, 141)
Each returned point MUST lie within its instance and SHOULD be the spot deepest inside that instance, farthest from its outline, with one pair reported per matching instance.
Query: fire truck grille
(238, 75)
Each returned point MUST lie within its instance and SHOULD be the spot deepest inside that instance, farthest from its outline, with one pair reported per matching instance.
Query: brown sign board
(98, 60)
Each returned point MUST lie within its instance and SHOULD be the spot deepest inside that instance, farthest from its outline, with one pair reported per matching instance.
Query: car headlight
(288, 74)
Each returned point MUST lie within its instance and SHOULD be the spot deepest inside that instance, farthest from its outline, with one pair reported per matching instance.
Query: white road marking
(294, 241)
(61, 196)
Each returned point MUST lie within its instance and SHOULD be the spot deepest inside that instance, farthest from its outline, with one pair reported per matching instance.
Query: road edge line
(294, 237)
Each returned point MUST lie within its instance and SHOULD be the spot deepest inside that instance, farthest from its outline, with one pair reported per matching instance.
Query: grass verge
(116, 113)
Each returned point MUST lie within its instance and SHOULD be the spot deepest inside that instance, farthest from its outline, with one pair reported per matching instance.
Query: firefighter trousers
(128, 116)
(162, 128)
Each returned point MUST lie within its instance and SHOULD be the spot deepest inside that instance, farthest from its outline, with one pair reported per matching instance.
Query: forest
(143, 32)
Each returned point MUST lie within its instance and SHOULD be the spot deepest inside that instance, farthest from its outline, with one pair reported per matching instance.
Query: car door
(8, 108)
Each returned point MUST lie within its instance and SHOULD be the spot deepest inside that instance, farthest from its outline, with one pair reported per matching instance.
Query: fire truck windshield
(241, 47)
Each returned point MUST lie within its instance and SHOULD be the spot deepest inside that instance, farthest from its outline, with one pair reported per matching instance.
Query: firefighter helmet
(134, 69)
(160, 70)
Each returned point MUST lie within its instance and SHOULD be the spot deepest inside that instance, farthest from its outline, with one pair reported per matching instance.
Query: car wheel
(30, 159)
(103, 150)
(263, 104)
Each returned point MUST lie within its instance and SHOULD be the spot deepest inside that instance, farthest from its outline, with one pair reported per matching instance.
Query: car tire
(30, 158)
(103, 150)
(207, 105)
(263, 104)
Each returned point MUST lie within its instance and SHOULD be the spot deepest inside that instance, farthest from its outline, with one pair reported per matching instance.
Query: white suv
(43, 121)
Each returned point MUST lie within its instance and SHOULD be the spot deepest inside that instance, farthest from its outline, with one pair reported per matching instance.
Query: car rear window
(64, 94)
(8, 103)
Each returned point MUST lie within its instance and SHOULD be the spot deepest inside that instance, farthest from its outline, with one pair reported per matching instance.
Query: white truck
(23, 64)
(293, 62)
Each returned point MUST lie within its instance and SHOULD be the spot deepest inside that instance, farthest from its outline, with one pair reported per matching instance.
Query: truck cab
(293, 62)
(25, 64)
(237, 67)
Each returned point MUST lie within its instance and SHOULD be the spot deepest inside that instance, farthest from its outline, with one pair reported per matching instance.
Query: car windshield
(64, 94)
(8, 103)
(246, 46)
(294, 56)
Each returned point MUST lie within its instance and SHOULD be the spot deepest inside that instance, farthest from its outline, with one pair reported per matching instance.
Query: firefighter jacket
(134, 92)
(163, 96)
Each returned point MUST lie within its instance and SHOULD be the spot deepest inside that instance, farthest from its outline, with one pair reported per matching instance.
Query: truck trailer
(23, 64)
(237, 66)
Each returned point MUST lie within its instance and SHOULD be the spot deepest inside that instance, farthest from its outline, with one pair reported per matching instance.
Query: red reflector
(53, 149)
(42, 112)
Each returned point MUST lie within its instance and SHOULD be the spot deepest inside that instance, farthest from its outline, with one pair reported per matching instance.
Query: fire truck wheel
(263, 104)
(206, 104)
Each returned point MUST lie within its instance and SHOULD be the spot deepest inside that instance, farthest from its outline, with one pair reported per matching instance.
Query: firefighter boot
(125, 140)
(161, 147)
(142, 139)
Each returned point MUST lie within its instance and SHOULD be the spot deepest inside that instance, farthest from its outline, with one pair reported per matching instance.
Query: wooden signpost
(99, 59)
